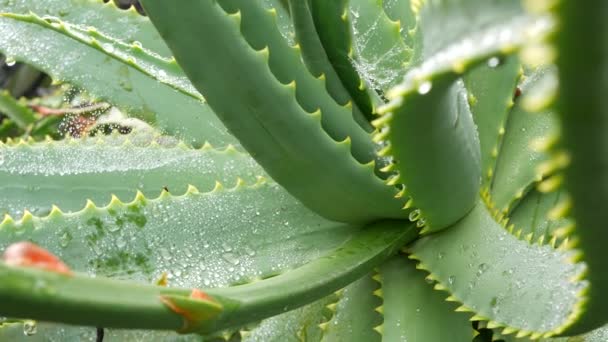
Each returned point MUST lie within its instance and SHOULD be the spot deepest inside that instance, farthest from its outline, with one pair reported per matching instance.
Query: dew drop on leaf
(493, 62)
(29, 328)
(425, 87)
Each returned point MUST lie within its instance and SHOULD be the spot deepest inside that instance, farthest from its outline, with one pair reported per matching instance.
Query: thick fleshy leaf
(534, 220)
(379, 53)
(491, 88)
(584, 117)
(105, 17)
(333, 27)
(432, 139)
(413, 311)
(245, 57)
(522, 287)
(35, 176)
(101, 301)
(124, 74)
(355, 315)
(517, 167)
(195, 238)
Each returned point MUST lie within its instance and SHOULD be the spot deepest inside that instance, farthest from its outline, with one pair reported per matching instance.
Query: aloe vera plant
(345, 170)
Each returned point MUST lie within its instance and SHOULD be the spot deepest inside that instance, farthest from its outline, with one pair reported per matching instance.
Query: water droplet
(226, 247)
(165, 254)
(421, 222)
(10, 61)
(30, 328)
(231, 258)
(425, 87)
(451, 280)
(108, 47)
(494, 62)
(137, 44)
(64, 239)
(121, 243)
(440, 255)
(113, 228)
(414, 215)
(249, 251)
(482, 268)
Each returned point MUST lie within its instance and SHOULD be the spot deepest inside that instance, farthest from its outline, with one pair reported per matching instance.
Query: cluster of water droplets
(380, 71)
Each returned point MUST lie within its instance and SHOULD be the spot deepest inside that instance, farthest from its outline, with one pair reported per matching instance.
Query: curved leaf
(413, 311)
(35, 176)
(289, 142)
(432, 139)
(82, 300)
(517, 167)
(523, 288)
(491, 88)
(379, 54)
(127, 26)
(144, 84)
(355, 315)
(583, 113)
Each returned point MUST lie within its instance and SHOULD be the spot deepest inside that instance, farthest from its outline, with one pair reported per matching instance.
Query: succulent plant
(346, 170)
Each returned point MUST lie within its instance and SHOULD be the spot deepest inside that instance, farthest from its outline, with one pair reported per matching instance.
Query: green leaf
(127, 75)
(15, 110)
(294, 326)
(379, 54)
(83, 300)
(413, 311)
(402, 11)
(35, 176)
(333, 27)
(432, 139)
(524, 288)
(532, 218)
(583, 113)
(491, 88)
(517, 167)
(317, 59)
(106, 18)
(139, 240)
(427, 125)
(281, 133)
(355, 314)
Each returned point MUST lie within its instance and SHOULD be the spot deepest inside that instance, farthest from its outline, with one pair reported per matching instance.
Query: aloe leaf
(138, 240)
(431, 136)
(18, 112)
(101, 301)
(127, 75)
(491, 88)
(379, 53)
(317, 60)
(35, 176)
(519, 159)
(297, 325)
(332, 24)
(288, 141)
(403, 11)
(533, 218)
(355, 315)
(433, 88)
(413, 311)
(499, 278)
(104, 17)
(583, 114)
